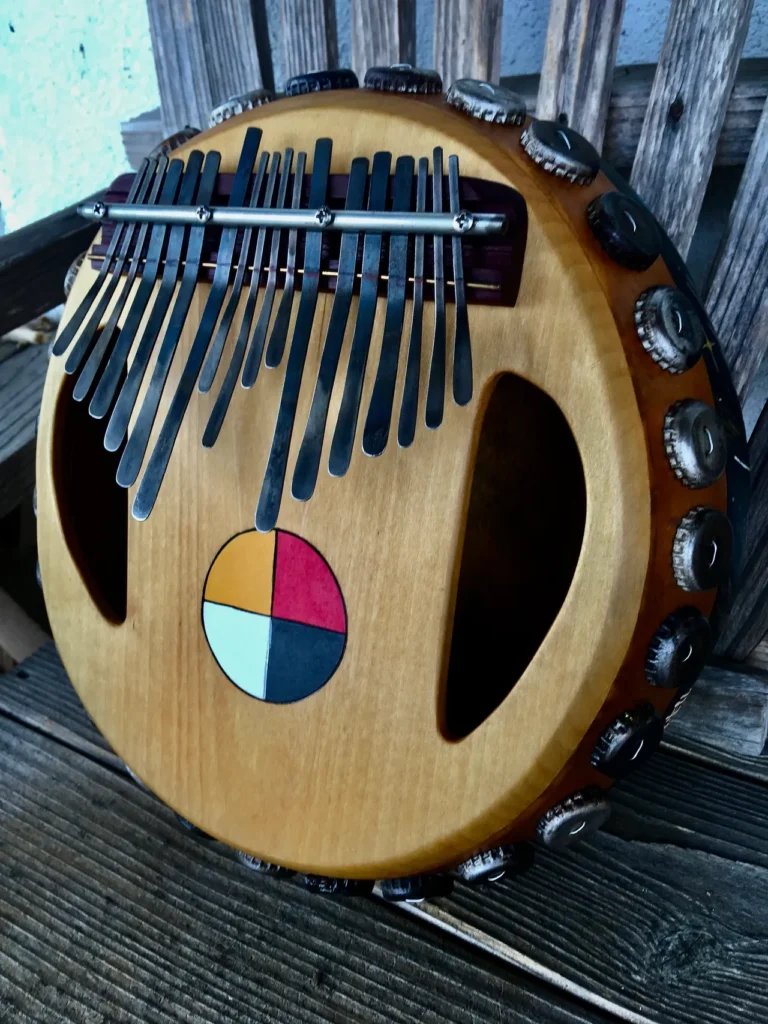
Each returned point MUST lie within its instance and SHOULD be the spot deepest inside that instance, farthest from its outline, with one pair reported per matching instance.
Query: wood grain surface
(467, 39)
(579, 58)
(309, 36)
(383, 33)
(694, 78)
(22, 376)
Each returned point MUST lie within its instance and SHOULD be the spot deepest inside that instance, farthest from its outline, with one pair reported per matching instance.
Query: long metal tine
(110, 377)
(346, 424)
(72, 325)
(277, 338)
(253, 362)
(274, 477)
(436, 385)
(214, 355)
(406, 430)
(132, 457)
(308, 461)
(462, 348)
(376, 430)
(83, 343)
(224, 396)
(161, 454)
(121, 414)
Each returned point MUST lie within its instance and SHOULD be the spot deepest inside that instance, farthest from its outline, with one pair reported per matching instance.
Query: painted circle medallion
(274, 615)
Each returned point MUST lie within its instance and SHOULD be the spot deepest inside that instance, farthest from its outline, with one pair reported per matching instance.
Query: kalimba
(388, 469)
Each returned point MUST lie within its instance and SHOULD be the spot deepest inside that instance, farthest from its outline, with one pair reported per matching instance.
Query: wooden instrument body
(360, 779)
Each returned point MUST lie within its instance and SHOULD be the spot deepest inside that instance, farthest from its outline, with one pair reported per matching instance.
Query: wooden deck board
(22, 374)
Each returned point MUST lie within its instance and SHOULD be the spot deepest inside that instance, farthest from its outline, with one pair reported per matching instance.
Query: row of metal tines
(101, 353)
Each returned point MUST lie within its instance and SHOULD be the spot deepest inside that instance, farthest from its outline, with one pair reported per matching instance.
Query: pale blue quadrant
(240, 643)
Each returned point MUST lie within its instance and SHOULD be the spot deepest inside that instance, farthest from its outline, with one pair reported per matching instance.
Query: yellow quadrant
(241, 574)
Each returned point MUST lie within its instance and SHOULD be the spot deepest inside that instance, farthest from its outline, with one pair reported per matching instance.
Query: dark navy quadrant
(301, 660)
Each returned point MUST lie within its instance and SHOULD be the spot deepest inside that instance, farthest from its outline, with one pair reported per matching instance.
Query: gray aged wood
(205, 51)
(383, 32)
(309, 36)
(21, 386)
(467, 39)
(694, 77)
(579, 58)
(737, 298)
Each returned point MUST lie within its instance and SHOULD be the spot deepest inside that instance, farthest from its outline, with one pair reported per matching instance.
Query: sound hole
(92, 507)
(525, 525)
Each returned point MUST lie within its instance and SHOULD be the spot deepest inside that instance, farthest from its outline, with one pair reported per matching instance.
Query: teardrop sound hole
(525, 527)
(92, 507)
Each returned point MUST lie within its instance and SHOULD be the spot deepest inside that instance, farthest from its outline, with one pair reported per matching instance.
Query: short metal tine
(105, 390)
(132, 457)
(277, 338)
(123, 409)
(308, 461)
(253, 362)
(83, 343)
(436, 385)
(406, 430)
(462, 348)
(230, 380)
(214, 355)
(346, 424)
(71, 327)
(376, 430)
(272, 489)
(152, 480)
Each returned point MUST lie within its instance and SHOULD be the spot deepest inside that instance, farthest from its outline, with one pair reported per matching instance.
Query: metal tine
(105, 390)
(279, 334)
(436, 385)
(83, 343)
(71, 327)
(95, 359)
(121, 414)
(346, 423)
(224, 396)
(253, 362)
(376, 430)
(214, 356)
(133, 456)
(161, 454)
(408, 410)
(308, 461)
(274, 477)
(462, 348)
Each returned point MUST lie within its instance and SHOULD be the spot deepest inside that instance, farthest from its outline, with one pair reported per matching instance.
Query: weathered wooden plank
(579, 58)
(205, 51)
(693, 81)
(34, 261)
(467, 39)
(309, 36)
(383, 32)
(109, 911)
(22, 376)
(20, 636)
(737, 298)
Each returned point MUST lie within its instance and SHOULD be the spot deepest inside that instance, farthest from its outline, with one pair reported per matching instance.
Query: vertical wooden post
(577, 73)
(467, 39)
(737, 300)
(685, 112)
(205, 52)
(309, 36)
(383, 32)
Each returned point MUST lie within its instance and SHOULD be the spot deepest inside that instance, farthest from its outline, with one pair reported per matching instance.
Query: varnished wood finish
(577, 72)
(467, 39)
(359, 780)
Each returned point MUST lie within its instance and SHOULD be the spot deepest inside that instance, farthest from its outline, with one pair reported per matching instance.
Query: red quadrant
(305, 588)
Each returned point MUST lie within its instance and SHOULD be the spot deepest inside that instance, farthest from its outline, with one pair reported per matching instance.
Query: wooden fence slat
(383, 32)
(205, 52)
(737, 300)
(694, 78)
(309, 36)
(579, 58)
(467, 39)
